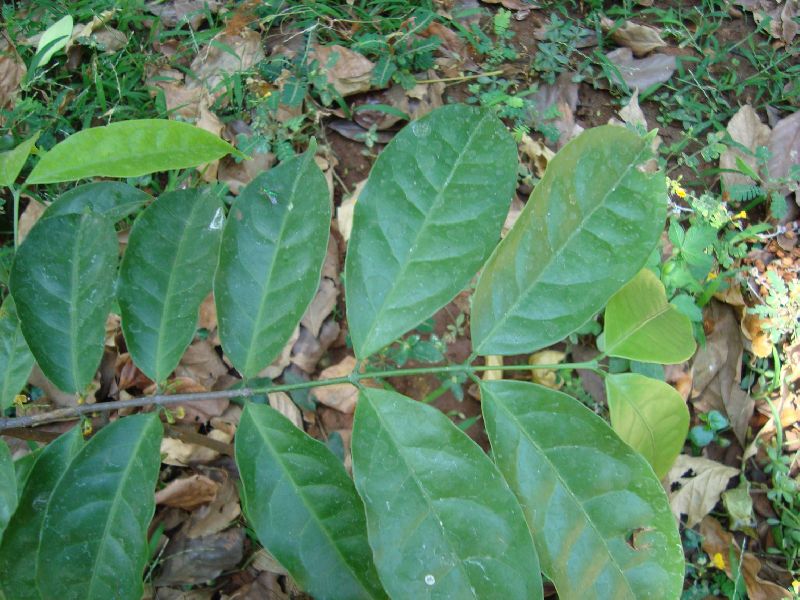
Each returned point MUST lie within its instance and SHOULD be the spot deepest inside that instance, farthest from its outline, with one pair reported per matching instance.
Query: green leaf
(442, 522)
(8, 487)
(428, 217)
(641, 325)
(129, 149)
(11, 162)
(303, 507)
(63, 282)
(167, 271)
(16, 360)
(273, 247)
(588, 227)
(53, 39)
(23, 467)
(599, 517)
(96, 522)
(20, 547)
(650, 416)
(113, 199)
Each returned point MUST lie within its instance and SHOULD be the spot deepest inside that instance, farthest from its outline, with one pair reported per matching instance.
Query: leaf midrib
(73, 302)
(435, 205)
(621, 340)
(579, 228)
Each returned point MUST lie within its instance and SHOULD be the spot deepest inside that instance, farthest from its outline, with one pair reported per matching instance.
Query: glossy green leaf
(442, 522)
(8, 487)
(641, 325)
(129, 149)
(599, 516)
(167, 271)
(23, 467)
(429, 215)
(303, 507)
(16, 360)
(53, 39)
(20, 547)
(588, 227)
(273, 247)
(97, 518)
(11, 162)
(650, 416)
(114, 199)
(63, 283)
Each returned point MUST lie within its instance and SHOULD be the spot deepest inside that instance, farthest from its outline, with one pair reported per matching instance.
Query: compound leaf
(16, 360)
(641, 325)
(650, 416)
(114, 199)
(20, 545)
(303, 507)
(96, 520)
(442, 522)
(448, 173)
(588, 227)
(63, 284)
(8, 487)
(273, 247)
(129, 149)
(167, 271)
(12, 161)
(598, 514)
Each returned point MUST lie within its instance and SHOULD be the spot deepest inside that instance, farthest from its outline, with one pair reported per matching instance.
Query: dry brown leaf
(344, 214)
(188, 493)
(754, 329)
(342, 396)
(220, 513)
(212, 66)
(237, 175)
(695, 485)
(781, 14)
(12, 71)
(717, 541)
(514, 211)
(180, 454)
(746, 128)
(274, 370)
(211, 123)
(201, 363)
(784, 148)
(178, 12)
(347, 71)
(513, 4)
(493, 360)
(281, 402)
(188, 561)
(308, 350)
(546, 377)
(641, 39)
(537, 153)
(321, 306)
(29, 217)
(632, 113)
(644, 72)
(563, 94)
(264, 561)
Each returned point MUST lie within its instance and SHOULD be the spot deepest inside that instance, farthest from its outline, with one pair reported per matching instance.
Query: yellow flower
(680, 192)
(739, 215)
(711, 276)
(718, 561)
(19, 400)
(86, 428)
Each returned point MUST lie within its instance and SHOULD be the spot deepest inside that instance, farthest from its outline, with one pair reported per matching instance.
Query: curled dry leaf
(641, 73)
(346, 70)
(342, 396)
(546, 377)
(179, 12)
(344, 214)
(188, 493)
(754, 329)
(641, 39)
(746, 128)
(695, 485)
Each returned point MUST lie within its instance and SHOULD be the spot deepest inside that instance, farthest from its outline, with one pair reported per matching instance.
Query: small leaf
(113, 199)
(167, 271)
(129, 149)
(650, 416)
(53, 39)
(273, 247)
(442, 522)
(599, 516)
(696, 484)
(449, 172)
(8, 487)
(62, 282)
(16, 360)
(641, 325)
(20, 546)
(588, 227)
(303, 507)
(96, 522)
(11, 162)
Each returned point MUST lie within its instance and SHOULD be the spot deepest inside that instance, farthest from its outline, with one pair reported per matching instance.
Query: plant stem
(462, 77)
(64, 414)
(15, 193)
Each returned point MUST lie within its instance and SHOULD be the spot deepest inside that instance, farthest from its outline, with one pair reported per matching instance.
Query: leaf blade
(650, 416)
(62, 282)
(16, 360)
(167, 271)
(560, 458)
(107, 545)
(114, 199)
(456, 530)
(291, 479)
(8, 487)
(588, 227)
(271, 256)
(12, 161)
(449, 171)
(129, 149)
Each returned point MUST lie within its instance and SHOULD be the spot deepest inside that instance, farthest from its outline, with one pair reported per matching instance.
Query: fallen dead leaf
(342, 396)
(754, 329)
(188, 493)
(346, 70)
(514, 211)
(641, 39)
(187, 561)
(513, 4)
(180, 454)
(546, 377)
(344, 214)
(281, 402)
(746, 128)
(238, 174)
(784, 148)
(644, 72)
(179, 12)
(632, 114)
(224, 55)
(29, 217)
(717, 541)
(12, 71)
(274, 370)
(695, 485)
(563, 95)
(201, 363)
(537, 153)
(781, 15)
(211, 123)
(308, 350)
(220, 513)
